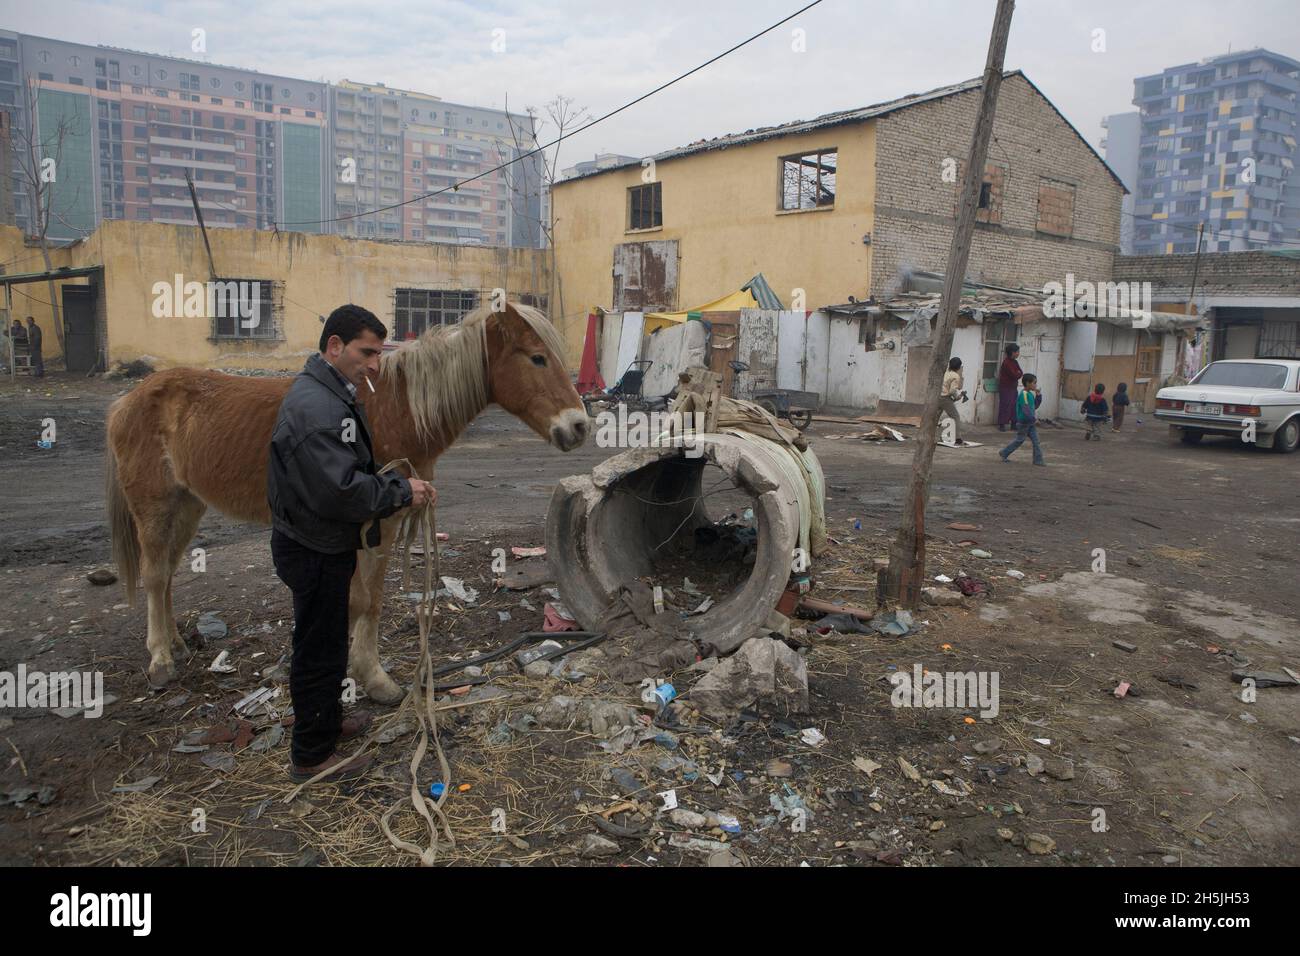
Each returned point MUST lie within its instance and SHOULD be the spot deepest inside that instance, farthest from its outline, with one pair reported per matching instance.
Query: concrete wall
(1219, 273)
(723, 209)
(314, 274)
(916, 208)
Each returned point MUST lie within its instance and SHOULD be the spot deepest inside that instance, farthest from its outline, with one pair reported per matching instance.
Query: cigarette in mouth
(368, 382)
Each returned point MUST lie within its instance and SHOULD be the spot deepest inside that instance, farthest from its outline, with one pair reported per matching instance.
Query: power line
(562, 137)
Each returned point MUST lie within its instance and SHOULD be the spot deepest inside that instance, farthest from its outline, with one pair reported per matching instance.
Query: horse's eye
(539, 361)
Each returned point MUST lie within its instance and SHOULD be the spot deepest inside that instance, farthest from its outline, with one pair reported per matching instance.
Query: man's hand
(422, 493)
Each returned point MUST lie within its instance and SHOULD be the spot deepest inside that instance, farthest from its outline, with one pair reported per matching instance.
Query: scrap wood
(826, 607)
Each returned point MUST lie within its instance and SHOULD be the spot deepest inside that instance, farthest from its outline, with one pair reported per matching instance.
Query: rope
(416, 521)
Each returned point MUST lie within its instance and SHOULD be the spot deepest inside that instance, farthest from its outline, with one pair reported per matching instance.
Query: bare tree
(32, 150)
(564, 117)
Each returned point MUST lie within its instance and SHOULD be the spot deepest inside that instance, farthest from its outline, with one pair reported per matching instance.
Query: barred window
(415, 310)
(243, 309)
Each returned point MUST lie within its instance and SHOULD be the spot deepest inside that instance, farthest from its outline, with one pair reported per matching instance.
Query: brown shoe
(354, 725)
(356, 767)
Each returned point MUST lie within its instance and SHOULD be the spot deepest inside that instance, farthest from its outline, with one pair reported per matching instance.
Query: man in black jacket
(34, 337)
(322, 487)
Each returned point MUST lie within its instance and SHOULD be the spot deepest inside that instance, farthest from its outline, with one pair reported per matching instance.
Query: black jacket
(322, 488)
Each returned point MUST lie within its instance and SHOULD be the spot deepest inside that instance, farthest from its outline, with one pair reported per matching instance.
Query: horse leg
(185, 522)
(364, 603)
(163, 536)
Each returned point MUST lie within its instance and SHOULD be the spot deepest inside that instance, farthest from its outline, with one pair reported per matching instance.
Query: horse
(185, 440)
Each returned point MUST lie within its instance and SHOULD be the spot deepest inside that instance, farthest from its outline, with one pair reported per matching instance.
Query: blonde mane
(445, 369)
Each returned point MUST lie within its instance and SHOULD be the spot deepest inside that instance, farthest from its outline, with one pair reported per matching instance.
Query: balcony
(191, 164)
(186, 204)
(198, 183)
(189, 143)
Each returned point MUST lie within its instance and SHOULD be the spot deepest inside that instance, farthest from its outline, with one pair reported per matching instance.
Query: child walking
(1121, 406)
(1027, 403)
(1096, 410)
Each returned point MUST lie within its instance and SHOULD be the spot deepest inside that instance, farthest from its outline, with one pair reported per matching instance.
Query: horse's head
(528, 378)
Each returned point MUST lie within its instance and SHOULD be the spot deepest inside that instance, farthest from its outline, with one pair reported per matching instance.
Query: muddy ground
(1201, 562)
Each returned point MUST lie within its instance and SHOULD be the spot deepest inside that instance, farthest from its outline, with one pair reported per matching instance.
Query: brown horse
(185, 440)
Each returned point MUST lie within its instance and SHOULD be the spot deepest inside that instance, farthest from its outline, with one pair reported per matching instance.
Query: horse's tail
(126, 542)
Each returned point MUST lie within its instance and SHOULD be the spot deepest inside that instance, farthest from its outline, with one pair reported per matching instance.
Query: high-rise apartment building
(1122, 145)
(263, 150)
(1218, 146)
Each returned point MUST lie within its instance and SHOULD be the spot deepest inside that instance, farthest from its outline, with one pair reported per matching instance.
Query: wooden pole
(1182, 337)
(906, 573)
(198, 214)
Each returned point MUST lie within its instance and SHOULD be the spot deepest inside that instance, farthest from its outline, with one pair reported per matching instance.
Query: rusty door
(645, 276)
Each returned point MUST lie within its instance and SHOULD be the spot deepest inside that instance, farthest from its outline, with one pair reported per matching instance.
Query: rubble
(763, 671)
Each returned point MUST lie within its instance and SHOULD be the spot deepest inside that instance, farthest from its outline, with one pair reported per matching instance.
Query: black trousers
(319, 583)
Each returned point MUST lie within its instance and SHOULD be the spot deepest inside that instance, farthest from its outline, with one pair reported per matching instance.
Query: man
(34, 348)
(322, 487)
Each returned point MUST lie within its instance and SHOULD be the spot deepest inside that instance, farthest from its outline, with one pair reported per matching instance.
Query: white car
(1226, 397)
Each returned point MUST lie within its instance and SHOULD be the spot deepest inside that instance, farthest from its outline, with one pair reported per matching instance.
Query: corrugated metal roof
(762, 293)
(838, 119)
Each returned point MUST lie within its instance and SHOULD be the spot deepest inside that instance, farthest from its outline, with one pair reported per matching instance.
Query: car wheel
(1190, 437)
(1287, 438)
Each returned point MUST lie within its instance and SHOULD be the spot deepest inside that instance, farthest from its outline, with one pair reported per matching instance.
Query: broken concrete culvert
(616, 532)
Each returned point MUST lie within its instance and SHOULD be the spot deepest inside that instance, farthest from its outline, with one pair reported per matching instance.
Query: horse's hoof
(160, 675)
(385, 690)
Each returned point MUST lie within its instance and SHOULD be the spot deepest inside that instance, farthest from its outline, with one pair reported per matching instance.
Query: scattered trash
(140, 786)
(669, 797)
(703, 606)
(909, 771)
(1018, 575)
(763, 670)
(528, 552)
(659, 599)
(436, 790)
(969, 585)
(664, 693)
(688, 819)
(866, 765)
(211, 626)
(778, 768)
(1045, 741)
(895, 623)
(964, 526)
(813, 737)
(1249, 718)
(1122, 689)
(219, 666)
(728, 823)
(980, 553)
(1124, 646)
(1265, 678)
(1174, 680)
(255, 702)
(503, 616)
(557, 618)
(843, 623)
(265, 741)
(455, 588)
(943, 579)
(219, 761)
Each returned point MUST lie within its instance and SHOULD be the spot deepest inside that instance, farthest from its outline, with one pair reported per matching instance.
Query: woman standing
(1008, 378)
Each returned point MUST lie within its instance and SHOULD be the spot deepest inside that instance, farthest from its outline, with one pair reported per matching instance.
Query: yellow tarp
(732, 302)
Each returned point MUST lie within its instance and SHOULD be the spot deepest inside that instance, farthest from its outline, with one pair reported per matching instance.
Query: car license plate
(1200, 408)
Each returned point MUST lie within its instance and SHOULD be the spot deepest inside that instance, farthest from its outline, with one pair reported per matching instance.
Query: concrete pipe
(603, 529)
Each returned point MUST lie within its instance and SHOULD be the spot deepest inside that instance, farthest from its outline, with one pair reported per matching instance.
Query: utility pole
(906, 573)
(1196, 271)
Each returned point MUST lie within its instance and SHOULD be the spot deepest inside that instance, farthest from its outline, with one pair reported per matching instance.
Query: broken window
(808, 180)
(992, 187)
(415, 310)
(645, 206)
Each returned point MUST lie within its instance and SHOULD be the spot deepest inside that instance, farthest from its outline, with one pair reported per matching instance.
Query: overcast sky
(607, 52)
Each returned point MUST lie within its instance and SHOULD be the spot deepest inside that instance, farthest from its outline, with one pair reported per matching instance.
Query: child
(1096, 410)
(952, 390)
(1121, 405)
(1027, 403)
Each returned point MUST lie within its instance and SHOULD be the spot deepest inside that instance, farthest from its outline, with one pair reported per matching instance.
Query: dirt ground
(1201, 565)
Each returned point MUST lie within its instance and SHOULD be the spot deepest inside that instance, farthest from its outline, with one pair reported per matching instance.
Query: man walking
(322, 487)
(34, 348)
